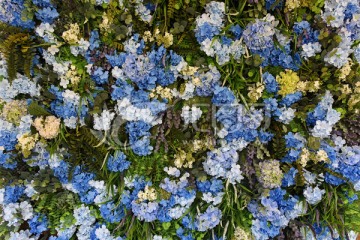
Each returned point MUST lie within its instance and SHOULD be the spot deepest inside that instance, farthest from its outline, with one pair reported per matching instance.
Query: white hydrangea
(338, 57)
(103, 122)
(287, 115)
(310, 49)
(129, 112)
(191, 115)
(103, 233)
(313, 195)
(172, 171)
(23, 235)
(26, 210)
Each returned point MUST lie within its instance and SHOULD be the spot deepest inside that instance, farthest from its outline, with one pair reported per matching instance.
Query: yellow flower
(288, 81)
(26, 143)
(14, 110)
(72, 35)
(255, 92)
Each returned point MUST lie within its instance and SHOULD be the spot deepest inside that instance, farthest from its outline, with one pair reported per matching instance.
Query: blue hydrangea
(11, 13)
(8, 139)
(112, 213)
(121, 89)
(209, 219)
(137, 129)
(116, 60)
(305, 32)
(7, 161)
(290, 99)
(237, 31)
(38, 224)
(118, 162)
(47, 15)
(274, 4)
(270, 83)
(213, 186)
(289, 177)
(80, 180)
(13, 193)
(100, 76)
(222, 95)
(62, 172)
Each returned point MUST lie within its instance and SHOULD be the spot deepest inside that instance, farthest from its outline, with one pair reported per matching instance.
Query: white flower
(103, 121)
(310, 49)
(26, 210)
(287, 115)
(191, 115)
(313, 195)
(172, 171)
(103, 233)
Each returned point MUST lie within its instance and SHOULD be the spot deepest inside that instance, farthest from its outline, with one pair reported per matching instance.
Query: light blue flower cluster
(68, 106)
(118, 162)
(11, 13)
(272, 213)
(259, 38)
(323, 118)
(294, 143)
(207, 32)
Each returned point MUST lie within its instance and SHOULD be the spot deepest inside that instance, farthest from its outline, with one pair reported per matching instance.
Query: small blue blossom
(118, 162)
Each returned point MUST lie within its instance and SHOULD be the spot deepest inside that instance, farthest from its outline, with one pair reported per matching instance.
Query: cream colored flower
(48, 128)
(72, 35)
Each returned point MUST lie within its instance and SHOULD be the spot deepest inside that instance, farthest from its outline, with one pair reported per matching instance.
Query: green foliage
(19, 52)
(36, 110)
(81, 146)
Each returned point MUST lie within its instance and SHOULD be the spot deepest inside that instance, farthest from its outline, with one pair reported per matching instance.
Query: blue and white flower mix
(179, 119)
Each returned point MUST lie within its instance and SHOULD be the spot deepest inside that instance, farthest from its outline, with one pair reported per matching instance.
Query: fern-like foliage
(18, 52)
(81, 145)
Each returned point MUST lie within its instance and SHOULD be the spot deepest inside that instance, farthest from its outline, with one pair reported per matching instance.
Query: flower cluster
(179, 119)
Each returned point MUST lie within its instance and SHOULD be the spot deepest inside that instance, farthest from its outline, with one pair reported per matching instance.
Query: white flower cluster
(103, 121)
(130, 112)
(191, 115)
(338, 57)
(12, 211)
(334, 12)
(313, 195)
(21, 85)
(310, 49)
(84, 220)
(323, 128)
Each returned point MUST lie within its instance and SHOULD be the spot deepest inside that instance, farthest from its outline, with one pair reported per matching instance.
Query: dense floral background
(179, 119)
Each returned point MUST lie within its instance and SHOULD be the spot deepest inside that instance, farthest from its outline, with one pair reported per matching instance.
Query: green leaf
(36, 110)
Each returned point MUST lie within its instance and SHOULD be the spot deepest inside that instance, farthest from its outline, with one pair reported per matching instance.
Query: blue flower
(62, 172)
(7, 161)
(80, 180)
(100, 76)
(121, 89)
(137, 129)
(290, 99)
(289, 177)
(222, 95)
(8, 139)
(38, 224)
(47, 15)
(206, 31)
(112, 213)
(118, 162)
(13, 193)
(274, 4)
(237, 31)
(209, 219)
(270, 83)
